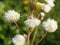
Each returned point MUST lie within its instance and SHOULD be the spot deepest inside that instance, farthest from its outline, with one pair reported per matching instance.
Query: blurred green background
(8, 30)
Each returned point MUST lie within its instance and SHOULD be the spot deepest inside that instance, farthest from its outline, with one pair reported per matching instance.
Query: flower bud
(42, 15)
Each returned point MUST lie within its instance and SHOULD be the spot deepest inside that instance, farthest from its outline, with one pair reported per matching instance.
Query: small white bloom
(18, 40)
(32, 22)
(11, 15)
(46, 8)
(50, 2)
(50, 25)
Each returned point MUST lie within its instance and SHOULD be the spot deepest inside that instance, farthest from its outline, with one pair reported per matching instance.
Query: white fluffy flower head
(32, 22)
(18, 40)
(46, 8)
(50, 2)
(11, 15)
(50, 25)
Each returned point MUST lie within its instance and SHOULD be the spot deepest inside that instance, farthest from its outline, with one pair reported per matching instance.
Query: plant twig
(18, 27)
(41, 38)
(28, 41)
(16, 24)
(28, 36)
(34, 36)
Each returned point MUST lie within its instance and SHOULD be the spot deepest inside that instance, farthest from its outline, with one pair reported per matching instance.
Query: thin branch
(41, 38)
(28, 41)
(34, 36)
(28, 36)
(18, 27)
(16, 24)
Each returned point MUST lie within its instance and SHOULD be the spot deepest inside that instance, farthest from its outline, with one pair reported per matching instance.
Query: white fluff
(11, 15)
(32, 22)
(50, 2)
(46, 8)
(18, 40)
(50, 25)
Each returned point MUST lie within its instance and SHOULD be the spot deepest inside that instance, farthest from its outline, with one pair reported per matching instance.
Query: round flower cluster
(50, 25)
(32, 22)
(11, 16)
(18, 40)
(46, 7)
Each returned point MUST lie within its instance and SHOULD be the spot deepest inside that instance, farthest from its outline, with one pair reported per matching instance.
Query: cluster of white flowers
(50, 25)
(11, 16)
(32, 22)
(18, 40)
(46, 7)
